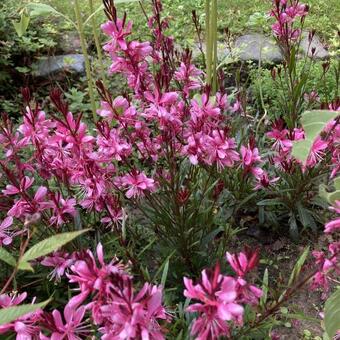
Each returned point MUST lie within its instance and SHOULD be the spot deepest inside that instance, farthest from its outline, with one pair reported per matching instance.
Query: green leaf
(306, 218)
(21, 26)
(10, 314)
(50, 244)
(313, 123)
(165, 273)
(332, 314)
(296, 271)
(298, 266)
(9, 259)
(265, 288)
(333, 196)
(270, 201)
(38, 9)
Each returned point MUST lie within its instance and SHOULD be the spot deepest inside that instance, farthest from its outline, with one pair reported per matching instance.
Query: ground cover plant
(122, 225)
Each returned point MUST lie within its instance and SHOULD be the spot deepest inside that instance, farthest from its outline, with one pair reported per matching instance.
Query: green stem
(208, 41)
(97, 43)
(86, 58)
(214, 43)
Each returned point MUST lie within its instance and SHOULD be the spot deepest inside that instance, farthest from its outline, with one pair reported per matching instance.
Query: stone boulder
(74, 63)
(257, 46)
(306, 47)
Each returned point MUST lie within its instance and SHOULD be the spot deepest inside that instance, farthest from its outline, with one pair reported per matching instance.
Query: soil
(279, 255)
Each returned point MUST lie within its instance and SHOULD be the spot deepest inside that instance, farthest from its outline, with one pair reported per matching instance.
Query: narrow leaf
(332, 314)
(50, 244)
(165, 273)
(10, 314)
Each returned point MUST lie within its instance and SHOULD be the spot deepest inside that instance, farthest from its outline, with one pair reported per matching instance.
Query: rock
(69, 62)
(306, 47)
(70, 43)
(222, 51)
(257, 46)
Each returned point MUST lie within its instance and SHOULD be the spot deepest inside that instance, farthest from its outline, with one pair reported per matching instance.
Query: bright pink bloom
(73, 327)
(92, 278)
(25, 183)
(243, 262)
(131, 316)
(60, 261)
(220, 149)
(316, 152)
(217, 304)
(62, 209)
(137, 184)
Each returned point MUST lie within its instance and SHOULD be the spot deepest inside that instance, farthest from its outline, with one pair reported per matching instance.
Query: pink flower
(137, 184)
(60, 261)
(26, 327)
(92, 278)
(188, 74)
(25, 183)
(118, 32)
(281, 139)
(217, 304)
(35, 126)
(316, 153)
(134, 316)
(263, 181)
(243, 262)
(5, 236)
(61, 209)
(220, 149)
(249, 157)
(73, 327)
(334, 225)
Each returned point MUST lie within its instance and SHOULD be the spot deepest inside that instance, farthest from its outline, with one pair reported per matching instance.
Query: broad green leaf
(9, 259)
(313, 122)
(50, 244)
(332, 314)
(21, 26)
(10, 314)
(333, 196)
(38, 9)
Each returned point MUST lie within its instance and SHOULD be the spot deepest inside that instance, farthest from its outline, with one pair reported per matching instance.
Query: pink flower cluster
(283, 143)
(116, 309)
(328, 263)
(56, 166)
(221, 297)
(286, 13)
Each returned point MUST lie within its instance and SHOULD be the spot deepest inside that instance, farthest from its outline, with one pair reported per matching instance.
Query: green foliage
(332, 196)
(313, 123)
(10, 314)
(275, 92)
(332, 314)
(50, 244)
